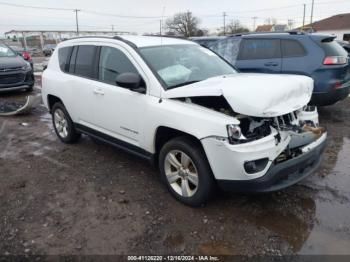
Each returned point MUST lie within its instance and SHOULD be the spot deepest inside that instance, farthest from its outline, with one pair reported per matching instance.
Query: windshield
(5, 51)
(179, 65)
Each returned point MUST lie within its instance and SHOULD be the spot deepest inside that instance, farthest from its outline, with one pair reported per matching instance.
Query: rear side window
(260, 49)
(73, 57)
(84, 62)
(64, 57)
(112, 63)
(292, 48)
(332, 48)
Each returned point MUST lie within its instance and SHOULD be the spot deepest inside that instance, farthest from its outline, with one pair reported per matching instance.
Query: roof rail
(106, 37)
(292, 32)
(125, 41)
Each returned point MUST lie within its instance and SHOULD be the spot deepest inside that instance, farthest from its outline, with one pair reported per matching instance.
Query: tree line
(187, 25)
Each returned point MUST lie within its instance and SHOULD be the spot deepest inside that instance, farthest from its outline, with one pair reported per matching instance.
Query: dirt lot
(90, 198)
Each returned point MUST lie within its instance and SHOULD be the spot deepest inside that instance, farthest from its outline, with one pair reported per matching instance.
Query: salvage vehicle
(15, 72)
(181, 106)
(315, 55)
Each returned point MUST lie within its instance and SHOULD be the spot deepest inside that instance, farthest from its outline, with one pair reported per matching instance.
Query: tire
(63, 124)
(190, 155)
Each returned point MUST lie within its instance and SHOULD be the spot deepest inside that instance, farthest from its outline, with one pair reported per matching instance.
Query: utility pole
(112, 28)
(224, 15)
(304, 15)
(160, 27)
(254, 22)
(76, 19)
(312, 12)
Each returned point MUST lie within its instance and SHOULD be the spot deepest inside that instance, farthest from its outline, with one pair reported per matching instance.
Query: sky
(144, 16)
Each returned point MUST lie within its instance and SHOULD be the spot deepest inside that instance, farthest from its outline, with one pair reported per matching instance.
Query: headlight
(26, 67)
(234, 134)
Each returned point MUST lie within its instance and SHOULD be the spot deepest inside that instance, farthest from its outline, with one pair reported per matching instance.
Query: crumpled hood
(259, 95)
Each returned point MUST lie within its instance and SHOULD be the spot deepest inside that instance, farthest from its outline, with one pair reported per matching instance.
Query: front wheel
(186, 172)
(63, 124)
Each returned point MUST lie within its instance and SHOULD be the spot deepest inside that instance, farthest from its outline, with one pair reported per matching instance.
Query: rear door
(260, 56)
(82, 73)
(295, 60)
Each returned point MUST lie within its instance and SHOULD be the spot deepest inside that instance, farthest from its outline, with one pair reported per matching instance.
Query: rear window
(332, 48)
(260, 49)
(292, 48)
(63, 57)
(84, 63)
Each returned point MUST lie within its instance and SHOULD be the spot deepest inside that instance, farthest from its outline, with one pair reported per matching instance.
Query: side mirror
(131, 81)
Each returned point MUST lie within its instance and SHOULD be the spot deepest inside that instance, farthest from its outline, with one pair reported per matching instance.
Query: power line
(36, 7)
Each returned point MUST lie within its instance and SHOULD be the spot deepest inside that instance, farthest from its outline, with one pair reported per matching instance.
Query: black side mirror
(131, 81)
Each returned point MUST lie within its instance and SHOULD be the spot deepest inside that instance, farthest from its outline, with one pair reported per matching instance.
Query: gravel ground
(91, 199)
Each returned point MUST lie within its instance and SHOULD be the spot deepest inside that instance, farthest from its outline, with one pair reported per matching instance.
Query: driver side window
(112, 63)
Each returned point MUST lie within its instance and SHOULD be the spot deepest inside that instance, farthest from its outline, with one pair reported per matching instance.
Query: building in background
(338, 25)
(271, 28)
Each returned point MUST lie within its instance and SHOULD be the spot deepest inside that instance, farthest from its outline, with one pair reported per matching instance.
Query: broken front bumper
(284, 174)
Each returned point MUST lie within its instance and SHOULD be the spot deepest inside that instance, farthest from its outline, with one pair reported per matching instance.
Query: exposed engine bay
(301, 125)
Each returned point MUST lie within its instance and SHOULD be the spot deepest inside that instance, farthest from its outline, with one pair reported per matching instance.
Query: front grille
(10, 69)
(11, 79)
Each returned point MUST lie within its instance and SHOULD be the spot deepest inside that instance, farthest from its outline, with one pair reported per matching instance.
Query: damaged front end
(264, 154)
(301, 126)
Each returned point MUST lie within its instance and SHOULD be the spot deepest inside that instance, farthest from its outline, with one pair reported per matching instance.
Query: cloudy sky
(143, 15)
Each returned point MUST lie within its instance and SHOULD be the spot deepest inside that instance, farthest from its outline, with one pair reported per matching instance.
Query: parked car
(15, 72)
(206, 41)
(24, 53)
(48, 49)
(184, 108)
(314, 55)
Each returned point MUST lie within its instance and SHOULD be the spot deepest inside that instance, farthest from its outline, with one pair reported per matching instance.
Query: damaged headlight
(234, 133)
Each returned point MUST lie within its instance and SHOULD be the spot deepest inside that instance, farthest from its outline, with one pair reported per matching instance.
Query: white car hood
(259, 95)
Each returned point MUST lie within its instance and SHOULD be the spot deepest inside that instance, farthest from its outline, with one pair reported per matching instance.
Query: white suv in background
(180, 105)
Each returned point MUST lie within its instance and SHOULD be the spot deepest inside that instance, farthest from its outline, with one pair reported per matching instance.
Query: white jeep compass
(180, 105)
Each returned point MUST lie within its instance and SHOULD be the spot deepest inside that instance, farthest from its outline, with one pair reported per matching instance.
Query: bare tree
(234, 27)
(183, 24)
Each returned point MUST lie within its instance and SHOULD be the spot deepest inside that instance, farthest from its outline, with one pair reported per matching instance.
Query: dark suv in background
(314, 55)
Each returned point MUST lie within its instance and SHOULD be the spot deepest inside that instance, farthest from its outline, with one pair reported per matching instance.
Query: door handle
(98, 92)
(271, 64)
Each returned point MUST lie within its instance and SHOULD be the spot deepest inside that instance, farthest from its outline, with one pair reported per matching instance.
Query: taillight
(335, 60)
(26, 56)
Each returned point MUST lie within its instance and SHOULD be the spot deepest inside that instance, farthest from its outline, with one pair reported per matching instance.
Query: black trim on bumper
(330, 98)
(279, 176)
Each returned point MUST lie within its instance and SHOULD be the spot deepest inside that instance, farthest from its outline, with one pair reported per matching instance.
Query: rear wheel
(186, 171)
(63, 124)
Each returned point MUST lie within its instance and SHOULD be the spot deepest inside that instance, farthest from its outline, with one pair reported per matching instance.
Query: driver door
(117, 110)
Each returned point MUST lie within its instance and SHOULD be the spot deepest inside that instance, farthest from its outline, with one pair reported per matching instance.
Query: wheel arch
(164, 134)
(51, 100)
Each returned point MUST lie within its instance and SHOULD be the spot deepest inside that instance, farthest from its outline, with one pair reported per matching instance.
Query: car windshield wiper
(184, 84)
